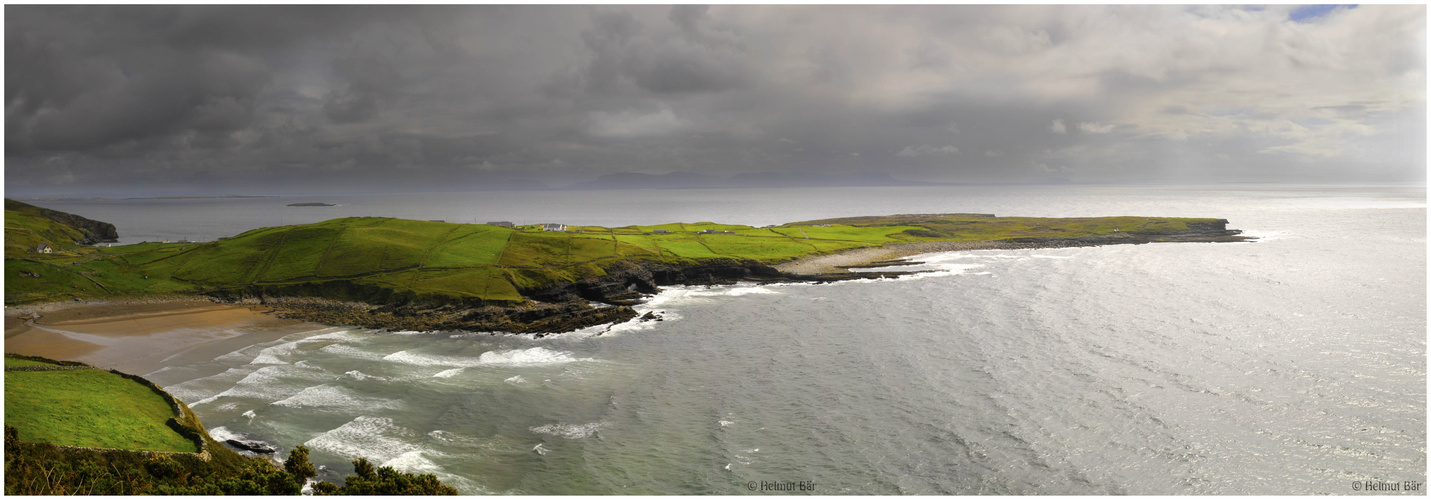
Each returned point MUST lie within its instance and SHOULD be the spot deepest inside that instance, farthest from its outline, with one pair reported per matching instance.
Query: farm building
(44, 249)
(502, 223)
(661, 231)
(554, 227)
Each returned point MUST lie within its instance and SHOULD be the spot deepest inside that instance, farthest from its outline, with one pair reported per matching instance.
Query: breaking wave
(569, 431)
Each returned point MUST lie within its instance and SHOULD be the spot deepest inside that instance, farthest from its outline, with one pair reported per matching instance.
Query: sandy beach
(140, 336)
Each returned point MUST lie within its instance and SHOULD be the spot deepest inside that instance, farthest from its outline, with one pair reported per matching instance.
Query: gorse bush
(384, 481)
(46, 469)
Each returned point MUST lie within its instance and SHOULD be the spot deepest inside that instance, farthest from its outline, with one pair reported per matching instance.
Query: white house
(554, 227)
(44, 249)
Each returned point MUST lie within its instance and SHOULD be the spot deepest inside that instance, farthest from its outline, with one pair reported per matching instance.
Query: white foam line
(569, 431)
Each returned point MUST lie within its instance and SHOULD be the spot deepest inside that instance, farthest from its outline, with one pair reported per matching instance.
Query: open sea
(1292, 365)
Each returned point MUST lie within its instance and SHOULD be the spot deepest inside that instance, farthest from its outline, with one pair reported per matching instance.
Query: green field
(375, 258)
(17, 362)
(90, 408)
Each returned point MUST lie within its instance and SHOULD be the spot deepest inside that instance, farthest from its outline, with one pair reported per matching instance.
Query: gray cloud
(199, 98)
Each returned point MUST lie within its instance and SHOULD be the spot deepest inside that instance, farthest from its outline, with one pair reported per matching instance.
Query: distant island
(312, 204)
(426, 275)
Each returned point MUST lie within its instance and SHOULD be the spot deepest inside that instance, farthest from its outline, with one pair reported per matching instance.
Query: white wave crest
(332, 396)
(413, 462)
(448, 373)
(416, 358)
(222, 434)
(350, 352)
(357, 375)
(569, 431)
(269, 356)
(263, 383)
(339, 335)
(376, 438)
(527, 357)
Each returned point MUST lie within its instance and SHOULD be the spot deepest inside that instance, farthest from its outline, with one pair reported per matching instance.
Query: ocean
(1292, 365)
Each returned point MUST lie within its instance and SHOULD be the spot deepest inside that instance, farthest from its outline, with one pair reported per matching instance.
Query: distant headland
(543, 278)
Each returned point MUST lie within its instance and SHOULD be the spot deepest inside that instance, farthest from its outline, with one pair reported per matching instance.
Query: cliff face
(94, 231)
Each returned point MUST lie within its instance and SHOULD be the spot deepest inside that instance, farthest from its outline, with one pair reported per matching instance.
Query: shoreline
(141, 336)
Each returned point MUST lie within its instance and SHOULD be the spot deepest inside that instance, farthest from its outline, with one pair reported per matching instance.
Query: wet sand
(140, 337)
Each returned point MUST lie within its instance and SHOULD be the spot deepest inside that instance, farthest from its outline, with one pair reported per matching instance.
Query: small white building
(44, 249)
(554, 227)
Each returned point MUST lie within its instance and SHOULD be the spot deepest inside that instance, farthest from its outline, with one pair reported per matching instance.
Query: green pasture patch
(231, 261)
(711, 226)
(761, 232)
(674, 227)
(486, 283)
(17, 362)
(686, 247)
(535, 278)
(792, 232)
(27, 281)
(470, 245)
(586, 248)
(90, 408)
(537, 249)
(825, 246)
(636, 245)
(299, 255)
(390, 244)
(755, 248)
(878, 234)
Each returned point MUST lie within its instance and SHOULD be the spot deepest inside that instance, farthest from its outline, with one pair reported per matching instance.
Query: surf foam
(569, 431)
(375, 438)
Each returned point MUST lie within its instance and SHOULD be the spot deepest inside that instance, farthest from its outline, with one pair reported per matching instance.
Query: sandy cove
(141, 336)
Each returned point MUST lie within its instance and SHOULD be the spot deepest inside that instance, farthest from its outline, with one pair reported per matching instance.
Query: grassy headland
(89, 408)
(408, 263)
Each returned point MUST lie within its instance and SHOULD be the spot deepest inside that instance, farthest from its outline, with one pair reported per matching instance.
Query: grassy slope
(91, 408)
(445, 261)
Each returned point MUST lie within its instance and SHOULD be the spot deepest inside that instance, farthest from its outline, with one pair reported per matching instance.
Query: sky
(274, 99)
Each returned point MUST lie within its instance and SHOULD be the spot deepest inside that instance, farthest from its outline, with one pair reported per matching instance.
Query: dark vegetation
(46, 469)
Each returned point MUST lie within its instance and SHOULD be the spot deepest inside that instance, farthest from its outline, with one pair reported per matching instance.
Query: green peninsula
(397, 273)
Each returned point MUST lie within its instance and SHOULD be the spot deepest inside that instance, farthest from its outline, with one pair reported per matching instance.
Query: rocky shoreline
(570, 306)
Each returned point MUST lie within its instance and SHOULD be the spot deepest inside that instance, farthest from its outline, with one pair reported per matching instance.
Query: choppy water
(1295, 365)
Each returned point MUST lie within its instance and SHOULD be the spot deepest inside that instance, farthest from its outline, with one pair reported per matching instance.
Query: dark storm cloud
(274, 98)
